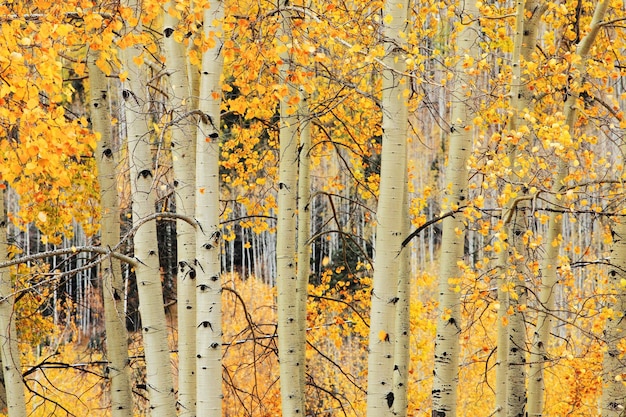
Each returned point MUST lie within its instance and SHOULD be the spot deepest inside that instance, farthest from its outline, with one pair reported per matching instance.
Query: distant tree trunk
(142, 177)
(111, 270)
(389, 229)
(9, 349)
(208, 235)
(551, 258)
(446, 372)
(290, 336)
(184, 166)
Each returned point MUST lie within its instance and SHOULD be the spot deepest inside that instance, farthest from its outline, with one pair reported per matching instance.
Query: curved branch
(350, 306)
(156, 216)
(430, 222)
(67, 251)
(106, 252)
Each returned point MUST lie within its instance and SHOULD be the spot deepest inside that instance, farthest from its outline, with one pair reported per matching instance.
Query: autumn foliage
(47, 146)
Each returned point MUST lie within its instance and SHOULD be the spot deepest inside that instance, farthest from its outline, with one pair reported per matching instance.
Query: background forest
(312, 208)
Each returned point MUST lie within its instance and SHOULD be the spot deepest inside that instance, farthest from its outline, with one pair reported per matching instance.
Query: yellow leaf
(93, 21)
(138, 60)
(383, 336)
(388, 19)
(63, 30)
(32, 103)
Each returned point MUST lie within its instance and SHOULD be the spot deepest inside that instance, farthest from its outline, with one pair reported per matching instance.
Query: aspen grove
(313, 208)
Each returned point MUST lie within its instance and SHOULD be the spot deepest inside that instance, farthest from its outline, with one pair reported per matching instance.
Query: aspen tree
(444, 392)
(555, 224)
(112, 279)
(184, 165)
(516, 347)
(208, 235)
(532, 12)
(391, 200)
(502, 363)
(9, 350)
(402, 330)
(304, 227)
(613, 399)
(511, 353)
(142, 175)
(290, 336)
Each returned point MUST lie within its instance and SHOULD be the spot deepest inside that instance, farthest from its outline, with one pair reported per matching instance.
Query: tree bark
(290, 337)
(446, 375)
(516, 346)
(613, 399)
(142, 176)
(304, 229)
(111, 270)
(528, 18)
(511, 351)
(402, 347)
(183, 144)
(389, 230)
(9, 349)
(208, 236)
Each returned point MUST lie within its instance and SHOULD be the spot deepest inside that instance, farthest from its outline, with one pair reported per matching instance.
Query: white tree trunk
(528, 19)
(112, 279)
(290, 336)
(516, 346)
(184, 166)
(389, 229)
(9, 349)
(613, 400)
(304, 229)
(402, 348)
(549, 264)
(510, 373)
(153, 322)
(208, 269)
(446, 372)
